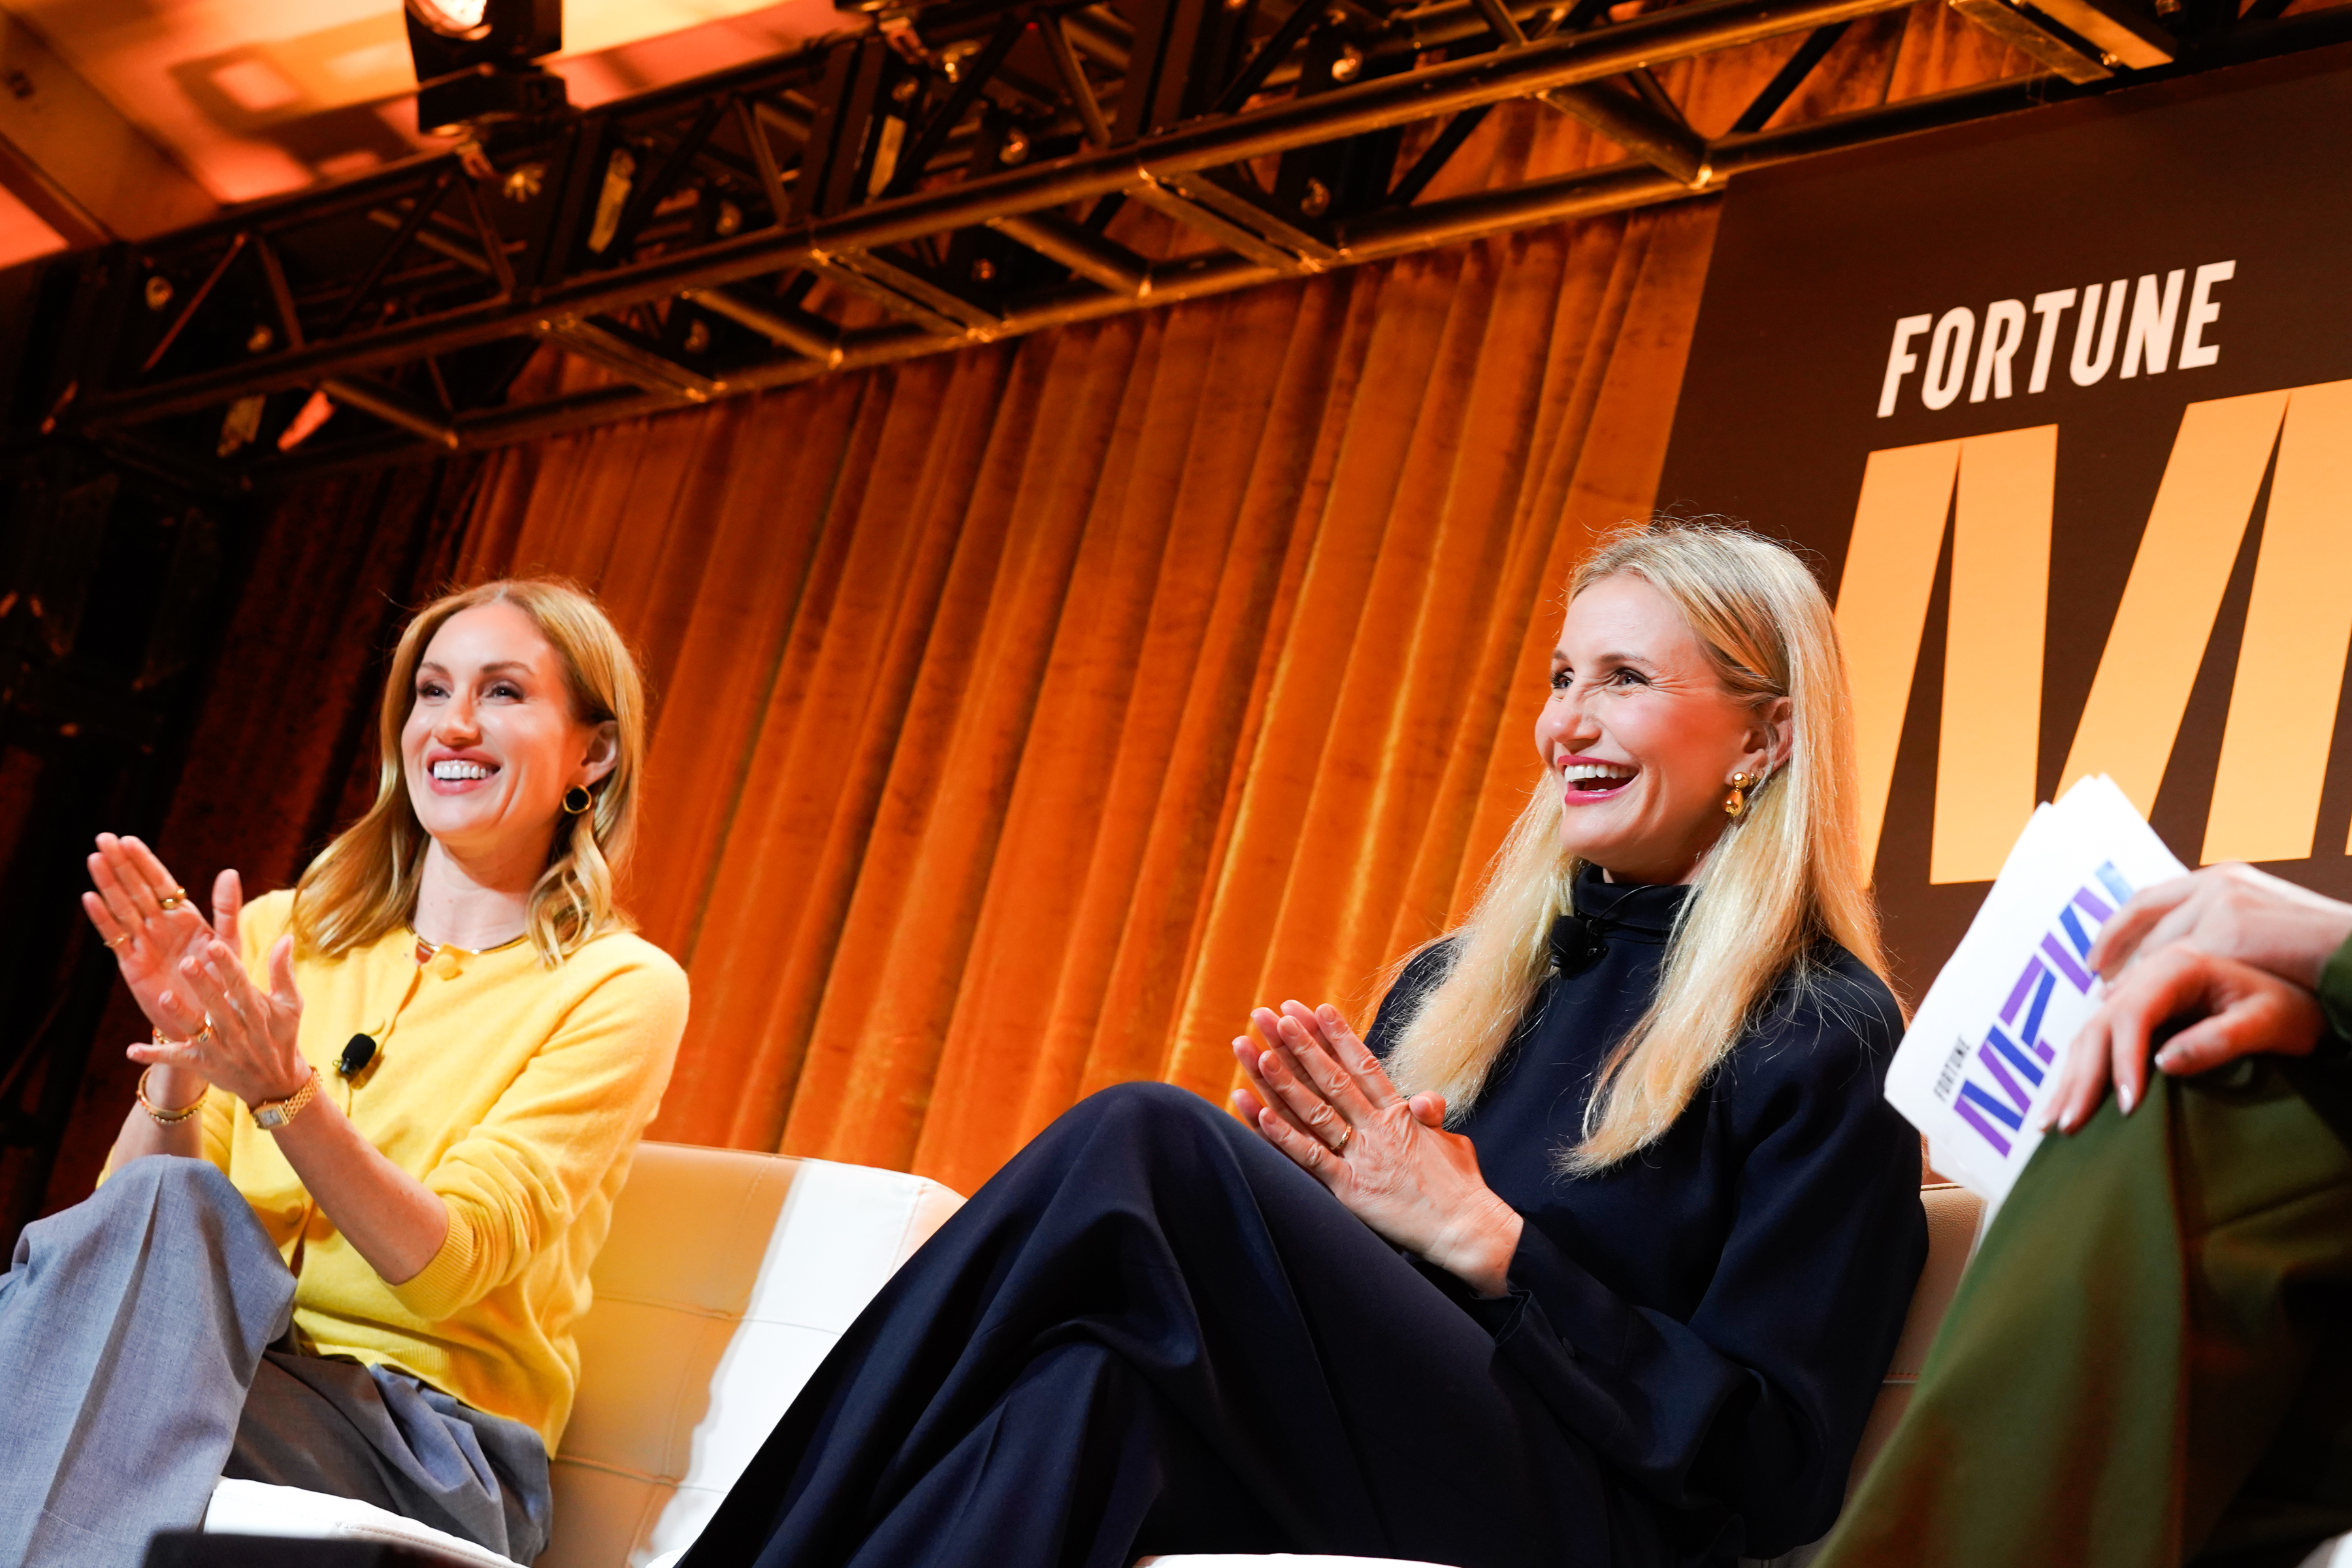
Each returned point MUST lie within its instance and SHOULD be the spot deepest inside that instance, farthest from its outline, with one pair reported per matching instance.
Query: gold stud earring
(577, 800)
(1735, 803)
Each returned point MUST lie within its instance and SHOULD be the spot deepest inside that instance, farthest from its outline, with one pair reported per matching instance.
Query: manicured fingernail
(2168, 1059)
(2124, 1098)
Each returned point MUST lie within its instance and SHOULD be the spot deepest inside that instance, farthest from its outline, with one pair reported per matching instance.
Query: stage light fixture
(474, 57)
(462, 19)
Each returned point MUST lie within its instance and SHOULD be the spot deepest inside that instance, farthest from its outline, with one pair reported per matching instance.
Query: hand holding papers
(1980, 1057)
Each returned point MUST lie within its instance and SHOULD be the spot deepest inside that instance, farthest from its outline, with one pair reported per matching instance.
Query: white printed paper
(1983, 1052)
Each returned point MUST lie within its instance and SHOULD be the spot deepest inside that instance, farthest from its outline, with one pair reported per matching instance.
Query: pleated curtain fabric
(1027, 713)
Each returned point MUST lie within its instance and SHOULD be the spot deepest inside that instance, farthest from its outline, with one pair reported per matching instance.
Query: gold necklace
(427, 949)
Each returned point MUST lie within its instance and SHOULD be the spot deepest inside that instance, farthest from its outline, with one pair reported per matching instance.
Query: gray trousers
(137, 1367)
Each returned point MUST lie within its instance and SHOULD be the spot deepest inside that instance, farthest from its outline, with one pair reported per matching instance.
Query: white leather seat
(251, 1508)
(726, 1278)
(700, 1337)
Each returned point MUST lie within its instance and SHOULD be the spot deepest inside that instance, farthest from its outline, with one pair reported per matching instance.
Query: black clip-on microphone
(358, 1052)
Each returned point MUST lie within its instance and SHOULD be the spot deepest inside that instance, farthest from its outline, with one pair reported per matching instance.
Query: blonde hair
(364, 884)
(1786, 874)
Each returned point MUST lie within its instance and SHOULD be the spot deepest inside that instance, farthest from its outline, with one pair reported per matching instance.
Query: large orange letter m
(1995, 492)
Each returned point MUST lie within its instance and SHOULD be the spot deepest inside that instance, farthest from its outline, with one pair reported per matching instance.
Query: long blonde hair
(1786, 874)
(363, 885)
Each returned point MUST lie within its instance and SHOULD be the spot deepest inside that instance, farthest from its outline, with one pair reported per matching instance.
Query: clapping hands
(144, 917)
(188, 977)
(1320, 1095)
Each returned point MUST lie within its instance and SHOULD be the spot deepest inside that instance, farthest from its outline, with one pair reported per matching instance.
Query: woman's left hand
(2239, 1010)
(249, 1048)
(1321, 1098)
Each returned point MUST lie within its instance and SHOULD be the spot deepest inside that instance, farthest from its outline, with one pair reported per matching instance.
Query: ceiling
(127, 118)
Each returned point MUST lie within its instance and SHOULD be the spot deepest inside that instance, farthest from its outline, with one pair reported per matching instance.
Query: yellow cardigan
(516, 1093)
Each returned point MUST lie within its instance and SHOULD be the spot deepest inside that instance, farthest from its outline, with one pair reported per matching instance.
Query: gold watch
(273, 1114)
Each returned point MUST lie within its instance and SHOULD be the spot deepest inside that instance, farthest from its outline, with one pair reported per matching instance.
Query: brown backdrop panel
(1814, 265)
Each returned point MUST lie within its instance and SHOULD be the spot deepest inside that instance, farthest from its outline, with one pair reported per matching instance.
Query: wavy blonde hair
(363, 885)
(1787, 873)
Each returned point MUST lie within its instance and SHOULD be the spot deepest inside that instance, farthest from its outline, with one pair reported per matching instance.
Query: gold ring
(1346, 1133)
(115, 941)
(173, 900)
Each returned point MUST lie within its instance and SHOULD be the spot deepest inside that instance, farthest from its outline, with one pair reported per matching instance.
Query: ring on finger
(173, 900)
(198, 1038)
(1346, 1133)
(112, 943)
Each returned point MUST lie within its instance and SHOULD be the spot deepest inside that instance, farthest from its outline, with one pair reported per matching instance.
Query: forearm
(142, 1134)
(394, 1220)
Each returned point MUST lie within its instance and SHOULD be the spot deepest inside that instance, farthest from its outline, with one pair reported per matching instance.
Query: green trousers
(2149, 1361)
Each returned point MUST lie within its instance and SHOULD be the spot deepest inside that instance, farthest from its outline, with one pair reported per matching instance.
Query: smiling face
(1642, 736)
(491, 742)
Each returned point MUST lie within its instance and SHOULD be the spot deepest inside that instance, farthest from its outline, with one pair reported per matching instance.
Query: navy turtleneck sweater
(1713, 1315)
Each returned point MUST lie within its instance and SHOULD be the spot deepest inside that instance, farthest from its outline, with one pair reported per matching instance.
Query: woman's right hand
(2231, 911)
(2236, 949)
(149, 940)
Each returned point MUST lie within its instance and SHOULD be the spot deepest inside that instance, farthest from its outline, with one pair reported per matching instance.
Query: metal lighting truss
(956, 166)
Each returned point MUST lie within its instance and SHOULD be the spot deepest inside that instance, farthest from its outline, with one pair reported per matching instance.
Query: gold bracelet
(166, 1118)
(273, 1114)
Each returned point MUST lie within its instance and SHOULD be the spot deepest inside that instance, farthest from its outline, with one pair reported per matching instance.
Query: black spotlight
(474, 61)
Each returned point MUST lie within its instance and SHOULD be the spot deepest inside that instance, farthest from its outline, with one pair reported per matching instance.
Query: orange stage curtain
(1027, 713)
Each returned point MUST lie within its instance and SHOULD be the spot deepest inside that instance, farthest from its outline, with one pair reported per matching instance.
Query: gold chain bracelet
(166, 1118)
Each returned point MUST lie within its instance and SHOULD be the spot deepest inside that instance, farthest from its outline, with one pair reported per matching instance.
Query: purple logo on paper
(1994, 1079)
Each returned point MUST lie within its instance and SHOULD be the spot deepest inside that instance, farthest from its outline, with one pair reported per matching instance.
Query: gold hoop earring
(577, 800)
(1735, 804)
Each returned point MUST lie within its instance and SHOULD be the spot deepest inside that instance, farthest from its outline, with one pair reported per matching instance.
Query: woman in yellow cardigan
(392, 1105)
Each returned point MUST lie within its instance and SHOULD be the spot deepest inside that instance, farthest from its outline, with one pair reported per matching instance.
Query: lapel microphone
(358, 1052)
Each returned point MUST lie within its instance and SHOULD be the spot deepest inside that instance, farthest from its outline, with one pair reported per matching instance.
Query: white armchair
(699, 1337)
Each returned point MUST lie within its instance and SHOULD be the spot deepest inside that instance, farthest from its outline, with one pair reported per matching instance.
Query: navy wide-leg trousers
(1151, 1332)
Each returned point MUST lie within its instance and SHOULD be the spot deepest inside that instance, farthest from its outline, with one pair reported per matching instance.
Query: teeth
(1584, 773)
(453, 770)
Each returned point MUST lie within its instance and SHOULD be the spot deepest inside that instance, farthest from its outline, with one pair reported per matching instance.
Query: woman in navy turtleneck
(1592, 1256)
